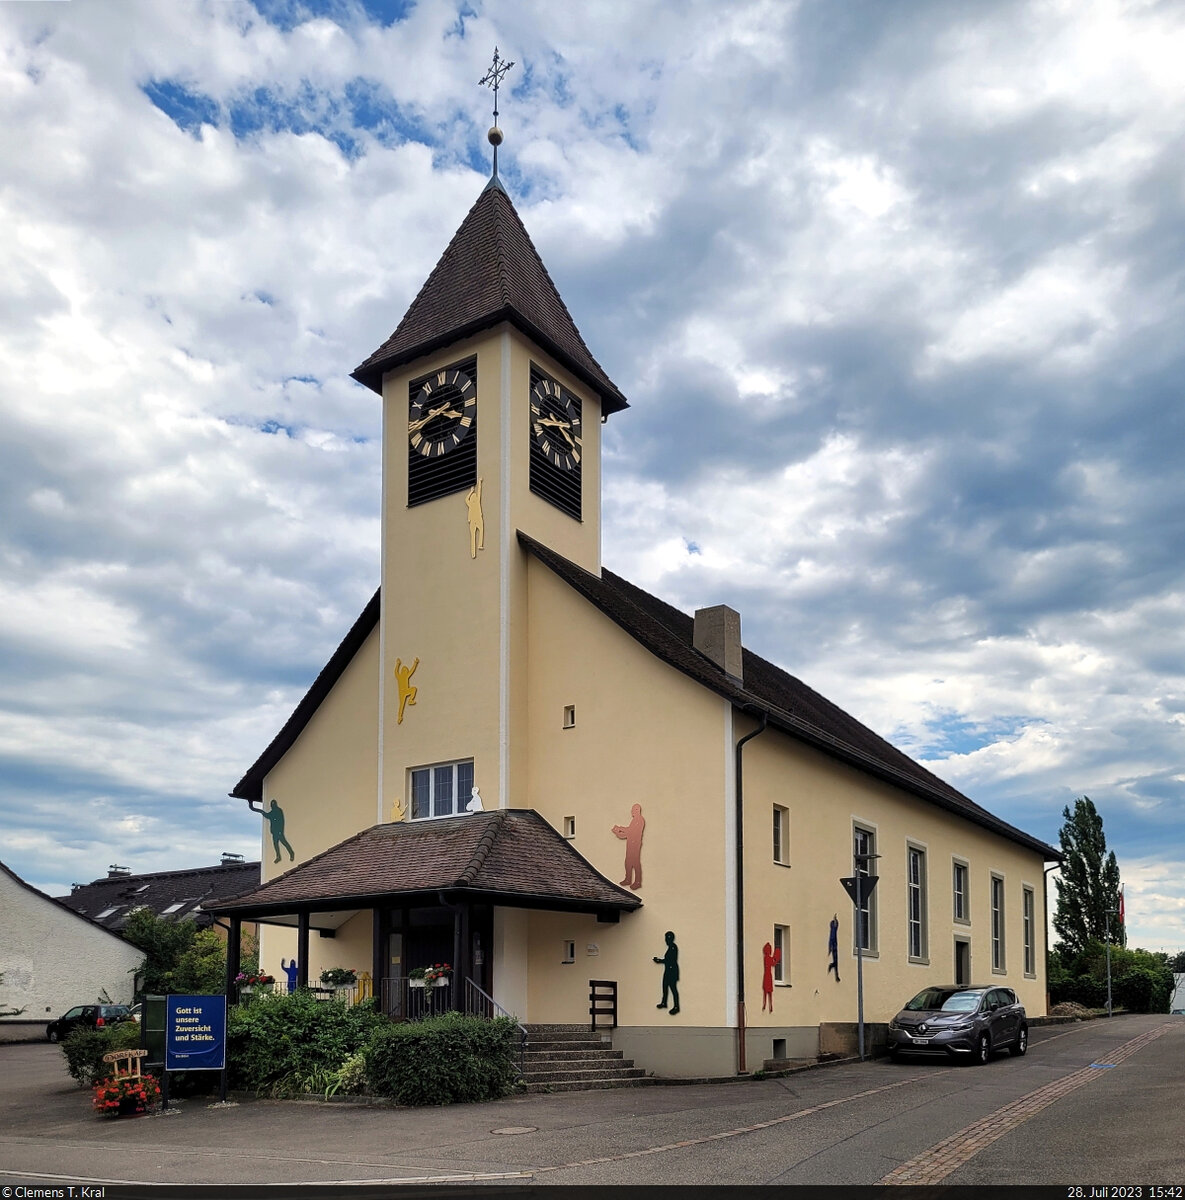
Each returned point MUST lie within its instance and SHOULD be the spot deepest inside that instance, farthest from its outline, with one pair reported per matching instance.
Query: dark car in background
(87, 1016)
(969, 1023)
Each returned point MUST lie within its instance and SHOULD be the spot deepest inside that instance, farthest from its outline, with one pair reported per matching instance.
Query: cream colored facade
(562, 710)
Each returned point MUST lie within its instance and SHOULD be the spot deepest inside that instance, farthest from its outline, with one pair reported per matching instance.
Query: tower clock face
(442, 413)
(555, 424)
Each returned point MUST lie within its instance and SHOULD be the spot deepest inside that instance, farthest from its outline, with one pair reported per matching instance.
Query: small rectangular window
(569, 827)
(569, 716)
(961, 902)
(998, 947)
(569, 952)
(441, 791)
(1030, 949)
(781, 954)
(781, 835)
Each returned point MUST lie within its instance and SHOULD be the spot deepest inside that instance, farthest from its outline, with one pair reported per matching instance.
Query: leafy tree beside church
(1088, 890)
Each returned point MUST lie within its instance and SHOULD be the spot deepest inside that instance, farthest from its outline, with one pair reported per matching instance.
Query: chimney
(231, 860)
(117, 872)
(718, 637)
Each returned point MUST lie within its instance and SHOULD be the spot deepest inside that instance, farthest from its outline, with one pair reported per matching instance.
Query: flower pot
(440, 983)
(416, 983)
(246, 990)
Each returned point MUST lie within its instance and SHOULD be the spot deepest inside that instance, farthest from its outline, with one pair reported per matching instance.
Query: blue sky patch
(187, 109)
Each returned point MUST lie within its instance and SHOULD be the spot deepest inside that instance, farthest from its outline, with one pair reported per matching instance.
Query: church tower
(492, 415)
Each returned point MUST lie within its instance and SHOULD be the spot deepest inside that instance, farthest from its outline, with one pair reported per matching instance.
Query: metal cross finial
(492, 79)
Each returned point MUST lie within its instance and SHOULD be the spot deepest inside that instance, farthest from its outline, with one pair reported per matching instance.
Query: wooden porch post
(234, 955)
(302, 949)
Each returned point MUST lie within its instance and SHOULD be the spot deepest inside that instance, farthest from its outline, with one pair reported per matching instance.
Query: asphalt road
(1094, 1103)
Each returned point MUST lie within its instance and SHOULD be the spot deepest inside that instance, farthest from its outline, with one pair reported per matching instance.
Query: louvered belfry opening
(556, 485)
(430, 477)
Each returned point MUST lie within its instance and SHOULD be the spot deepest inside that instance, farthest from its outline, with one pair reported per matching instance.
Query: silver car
(969, 1023)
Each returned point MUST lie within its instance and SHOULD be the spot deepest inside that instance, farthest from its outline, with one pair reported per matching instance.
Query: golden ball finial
(494, 137)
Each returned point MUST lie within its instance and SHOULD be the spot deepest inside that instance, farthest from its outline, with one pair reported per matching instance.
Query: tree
(1088, 890)
(177, 957)
(1178, 963)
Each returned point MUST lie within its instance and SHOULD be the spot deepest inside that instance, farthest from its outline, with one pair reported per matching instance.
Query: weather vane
(492, 79)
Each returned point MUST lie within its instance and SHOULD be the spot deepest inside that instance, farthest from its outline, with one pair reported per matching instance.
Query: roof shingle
(490, 272)
(511, 854)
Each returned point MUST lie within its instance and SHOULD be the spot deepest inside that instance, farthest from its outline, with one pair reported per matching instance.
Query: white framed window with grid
(960, 874)
(864, 846)
(1027, 909)
(915, 863)
(998, 947)
(782, 954)
(442, 790)
(781, 835)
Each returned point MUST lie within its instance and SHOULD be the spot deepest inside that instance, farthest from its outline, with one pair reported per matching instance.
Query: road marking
(279, 1187)
(731, 1133)
(935, 1164)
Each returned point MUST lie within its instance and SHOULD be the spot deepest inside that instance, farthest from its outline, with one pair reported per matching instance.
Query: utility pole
(860, 888)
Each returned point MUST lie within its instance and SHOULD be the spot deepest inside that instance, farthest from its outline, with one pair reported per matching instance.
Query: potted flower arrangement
(339, 977)
(438, 974)
(416, 977)
(247, 983)
(123, 1094)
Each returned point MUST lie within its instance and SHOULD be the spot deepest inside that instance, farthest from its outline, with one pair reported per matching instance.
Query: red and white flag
(1121, 906)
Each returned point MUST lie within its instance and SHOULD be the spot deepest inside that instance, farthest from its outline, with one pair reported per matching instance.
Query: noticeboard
(195, 1033)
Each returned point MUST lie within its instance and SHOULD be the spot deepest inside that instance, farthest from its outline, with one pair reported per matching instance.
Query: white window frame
(782, 942)
(865, 834)
(1028, 910)
(961, 911)
(999, 944)
(917, 932)
(461, 795)
(781, 835)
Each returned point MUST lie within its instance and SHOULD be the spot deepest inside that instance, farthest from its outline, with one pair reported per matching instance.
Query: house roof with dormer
(489, 273)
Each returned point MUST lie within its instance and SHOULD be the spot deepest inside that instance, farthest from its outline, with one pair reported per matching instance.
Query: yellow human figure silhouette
(477, 522)
(407, 693)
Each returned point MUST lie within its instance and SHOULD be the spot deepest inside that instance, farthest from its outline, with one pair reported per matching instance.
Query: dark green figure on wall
(274, 816)
(670, 974)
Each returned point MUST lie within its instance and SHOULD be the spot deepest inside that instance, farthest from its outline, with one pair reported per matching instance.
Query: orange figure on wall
(631, 834)
(772, 959)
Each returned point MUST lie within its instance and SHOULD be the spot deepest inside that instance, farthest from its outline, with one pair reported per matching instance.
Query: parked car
(135, 1012)
(969, 1023)
(92, 1016)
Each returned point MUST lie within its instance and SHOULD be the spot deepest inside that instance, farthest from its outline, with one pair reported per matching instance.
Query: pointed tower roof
(490, 272)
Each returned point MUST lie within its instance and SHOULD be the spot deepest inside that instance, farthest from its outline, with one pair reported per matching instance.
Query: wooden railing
(602, 1001)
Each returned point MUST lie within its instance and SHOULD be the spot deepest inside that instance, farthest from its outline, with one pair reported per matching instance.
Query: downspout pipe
(742, 1068)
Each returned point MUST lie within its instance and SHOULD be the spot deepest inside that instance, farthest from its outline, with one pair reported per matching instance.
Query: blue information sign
(195, 1033)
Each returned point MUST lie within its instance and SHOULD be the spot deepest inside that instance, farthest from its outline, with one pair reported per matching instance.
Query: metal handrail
(486, 1008)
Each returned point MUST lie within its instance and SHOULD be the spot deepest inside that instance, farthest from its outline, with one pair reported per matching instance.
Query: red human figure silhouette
(631, 834)
(772, 959)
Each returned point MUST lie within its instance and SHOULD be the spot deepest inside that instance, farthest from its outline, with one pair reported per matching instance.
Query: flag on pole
(1121, 906)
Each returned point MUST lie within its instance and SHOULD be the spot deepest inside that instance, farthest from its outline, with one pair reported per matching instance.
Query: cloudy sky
(896, 292)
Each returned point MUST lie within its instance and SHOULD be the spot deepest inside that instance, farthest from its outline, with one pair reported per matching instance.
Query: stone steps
(572, 1058)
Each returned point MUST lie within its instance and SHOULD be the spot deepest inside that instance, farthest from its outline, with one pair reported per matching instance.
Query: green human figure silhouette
(670, 974)
(274, 816)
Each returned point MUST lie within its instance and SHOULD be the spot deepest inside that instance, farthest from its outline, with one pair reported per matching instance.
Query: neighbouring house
(175, 895)
(519, 763)
(52, 958)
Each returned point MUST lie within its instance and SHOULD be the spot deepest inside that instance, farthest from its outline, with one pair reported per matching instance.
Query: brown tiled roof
(490, 272)
(110, 901)
(250, 787)
(510, 856)
(787, 702)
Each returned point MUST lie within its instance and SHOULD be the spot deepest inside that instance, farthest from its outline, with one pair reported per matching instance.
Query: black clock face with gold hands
(441, 414)
(555, 424)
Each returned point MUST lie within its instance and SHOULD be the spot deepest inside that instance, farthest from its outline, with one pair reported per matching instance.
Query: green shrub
(280, 1041)
(444, 1060)
(84, 1049)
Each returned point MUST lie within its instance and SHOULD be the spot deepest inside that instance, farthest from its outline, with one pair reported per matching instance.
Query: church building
(519, 764)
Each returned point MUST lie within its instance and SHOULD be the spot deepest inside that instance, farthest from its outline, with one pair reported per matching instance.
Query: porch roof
(511, 857)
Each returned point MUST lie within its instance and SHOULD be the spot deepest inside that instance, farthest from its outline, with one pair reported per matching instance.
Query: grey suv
(969, 1023)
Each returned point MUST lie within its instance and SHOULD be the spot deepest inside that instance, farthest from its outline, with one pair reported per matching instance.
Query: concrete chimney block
(718, 637)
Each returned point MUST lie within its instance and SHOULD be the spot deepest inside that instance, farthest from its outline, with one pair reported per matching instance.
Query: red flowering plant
(254, 980)
(123, 1093)
(437, 971)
